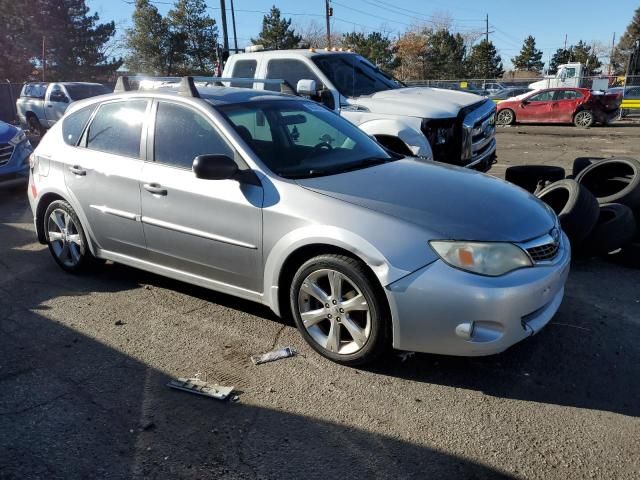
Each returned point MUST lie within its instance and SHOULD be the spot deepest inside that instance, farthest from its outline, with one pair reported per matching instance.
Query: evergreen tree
(277, 32)
(583, 53)
(17, 42)
(148, 41)
(484, 61)
(562, 55)
(374, 47)
(627, 45)
(445, 55)
(530, 58)
(76, 42)
(195, 32)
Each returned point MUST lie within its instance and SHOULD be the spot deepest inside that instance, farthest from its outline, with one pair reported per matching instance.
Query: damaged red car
(580, 106)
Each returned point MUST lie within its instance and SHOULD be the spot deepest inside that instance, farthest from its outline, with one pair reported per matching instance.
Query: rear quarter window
(73, 125)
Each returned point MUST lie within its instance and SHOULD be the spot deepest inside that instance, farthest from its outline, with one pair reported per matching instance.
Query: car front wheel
(66, 239)
(339, 311)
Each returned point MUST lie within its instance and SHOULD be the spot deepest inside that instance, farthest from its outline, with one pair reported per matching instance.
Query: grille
(6, 151)
(544, 252)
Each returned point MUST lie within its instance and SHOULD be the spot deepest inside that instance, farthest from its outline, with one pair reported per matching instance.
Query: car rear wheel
(338, 311)
(505, 117)
(583, 119)
(66, 239)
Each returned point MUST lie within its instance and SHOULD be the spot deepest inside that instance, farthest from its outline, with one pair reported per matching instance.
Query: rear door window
(117, 128)
(567, 95)
(244, 69)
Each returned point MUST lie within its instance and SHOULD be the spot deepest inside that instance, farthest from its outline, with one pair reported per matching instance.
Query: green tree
(583, 53)
(627, 45)
(375, 47)
(530, 58)
(151, 49)
(445, 55)
(562, 55)
(484, 61)
(76, 42)
(17, 44)
(277, 32)
(195, 32)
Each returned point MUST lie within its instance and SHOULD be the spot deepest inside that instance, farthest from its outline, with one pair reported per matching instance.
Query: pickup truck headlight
(491, 258)
(18, 138)
(438, 132)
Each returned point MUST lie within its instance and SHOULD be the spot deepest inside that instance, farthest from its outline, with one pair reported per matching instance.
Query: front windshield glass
(80, 92)
(303, 139)
(354, 76)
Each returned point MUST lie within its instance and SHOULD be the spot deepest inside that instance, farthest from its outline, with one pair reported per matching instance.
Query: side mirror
(326, 99)
(524, 102)
(60, 97)
(215, 167)
(306, 87)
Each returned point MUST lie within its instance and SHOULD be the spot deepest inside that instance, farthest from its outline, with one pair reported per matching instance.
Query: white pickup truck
(40, 105)
(446, 125)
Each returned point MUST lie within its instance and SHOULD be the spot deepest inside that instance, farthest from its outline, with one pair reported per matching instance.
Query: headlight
(18, 138)
(492, 259)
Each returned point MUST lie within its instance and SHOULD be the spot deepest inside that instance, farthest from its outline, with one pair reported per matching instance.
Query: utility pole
(486, 34)
(328, 14)
(233, 21)
(565, 41)
(44, 59)
(613, 46)
(223, 13)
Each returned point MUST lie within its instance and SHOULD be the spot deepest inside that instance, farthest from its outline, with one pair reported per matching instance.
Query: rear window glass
(73, 125)
(117, 128)
(34, 90)
(79, 91)
(244, 69)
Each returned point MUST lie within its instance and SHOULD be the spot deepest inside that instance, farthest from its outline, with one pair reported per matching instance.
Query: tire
(580, 163)
(583, 119)
(505, 116)
(530, 176)
(576, 207)
(367, 326)
(71, 250)
(615, 180)
(615, 228)
(35, 127)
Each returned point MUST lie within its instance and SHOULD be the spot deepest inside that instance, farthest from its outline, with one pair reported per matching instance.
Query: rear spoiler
(187, 85)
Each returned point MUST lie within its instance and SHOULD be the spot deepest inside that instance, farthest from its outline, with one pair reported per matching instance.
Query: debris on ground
(200, 387)
(119, 323)
(274, 355)
(404, 356)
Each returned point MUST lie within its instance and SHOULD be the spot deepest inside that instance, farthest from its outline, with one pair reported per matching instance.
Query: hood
(448, 202)
(7, 132)
(423, 102)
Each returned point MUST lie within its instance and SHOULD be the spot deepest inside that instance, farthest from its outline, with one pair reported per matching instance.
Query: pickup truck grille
(479, 134)
(6, 150)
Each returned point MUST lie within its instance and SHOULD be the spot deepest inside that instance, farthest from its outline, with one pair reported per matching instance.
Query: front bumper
(430, 305)
(16, 170)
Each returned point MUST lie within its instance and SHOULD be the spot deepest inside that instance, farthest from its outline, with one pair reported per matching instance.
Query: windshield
(354, 76)
(303, 139)
(79, 92)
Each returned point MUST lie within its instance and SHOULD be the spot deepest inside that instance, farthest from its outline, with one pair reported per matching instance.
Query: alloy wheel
(65, 238)
(334, 311)
(505, 117)
(584, 119)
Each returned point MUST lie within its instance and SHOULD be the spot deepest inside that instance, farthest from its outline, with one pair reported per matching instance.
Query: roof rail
(187, 88)
(122, 85)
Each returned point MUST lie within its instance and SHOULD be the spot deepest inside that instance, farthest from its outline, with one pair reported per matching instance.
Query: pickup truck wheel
(339, 311)
(583, 119)
(505, 117)
(35, 127)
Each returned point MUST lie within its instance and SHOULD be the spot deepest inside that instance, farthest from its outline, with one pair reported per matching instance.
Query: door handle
(155, 188)
(50, 106)
(78, 170)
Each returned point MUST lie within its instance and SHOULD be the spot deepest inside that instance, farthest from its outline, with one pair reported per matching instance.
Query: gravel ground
(84, 362)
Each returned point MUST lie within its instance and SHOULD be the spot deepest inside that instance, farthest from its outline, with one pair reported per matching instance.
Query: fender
(327, 235)
(407, 130)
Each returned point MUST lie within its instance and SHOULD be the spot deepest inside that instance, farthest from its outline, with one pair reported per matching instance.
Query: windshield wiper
(365, 163)
(314, 172)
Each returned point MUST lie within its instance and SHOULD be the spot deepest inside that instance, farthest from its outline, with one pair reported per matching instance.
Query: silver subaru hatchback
(278, 200)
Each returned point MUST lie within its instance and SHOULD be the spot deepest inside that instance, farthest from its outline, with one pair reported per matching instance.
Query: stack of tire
(598, 205)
